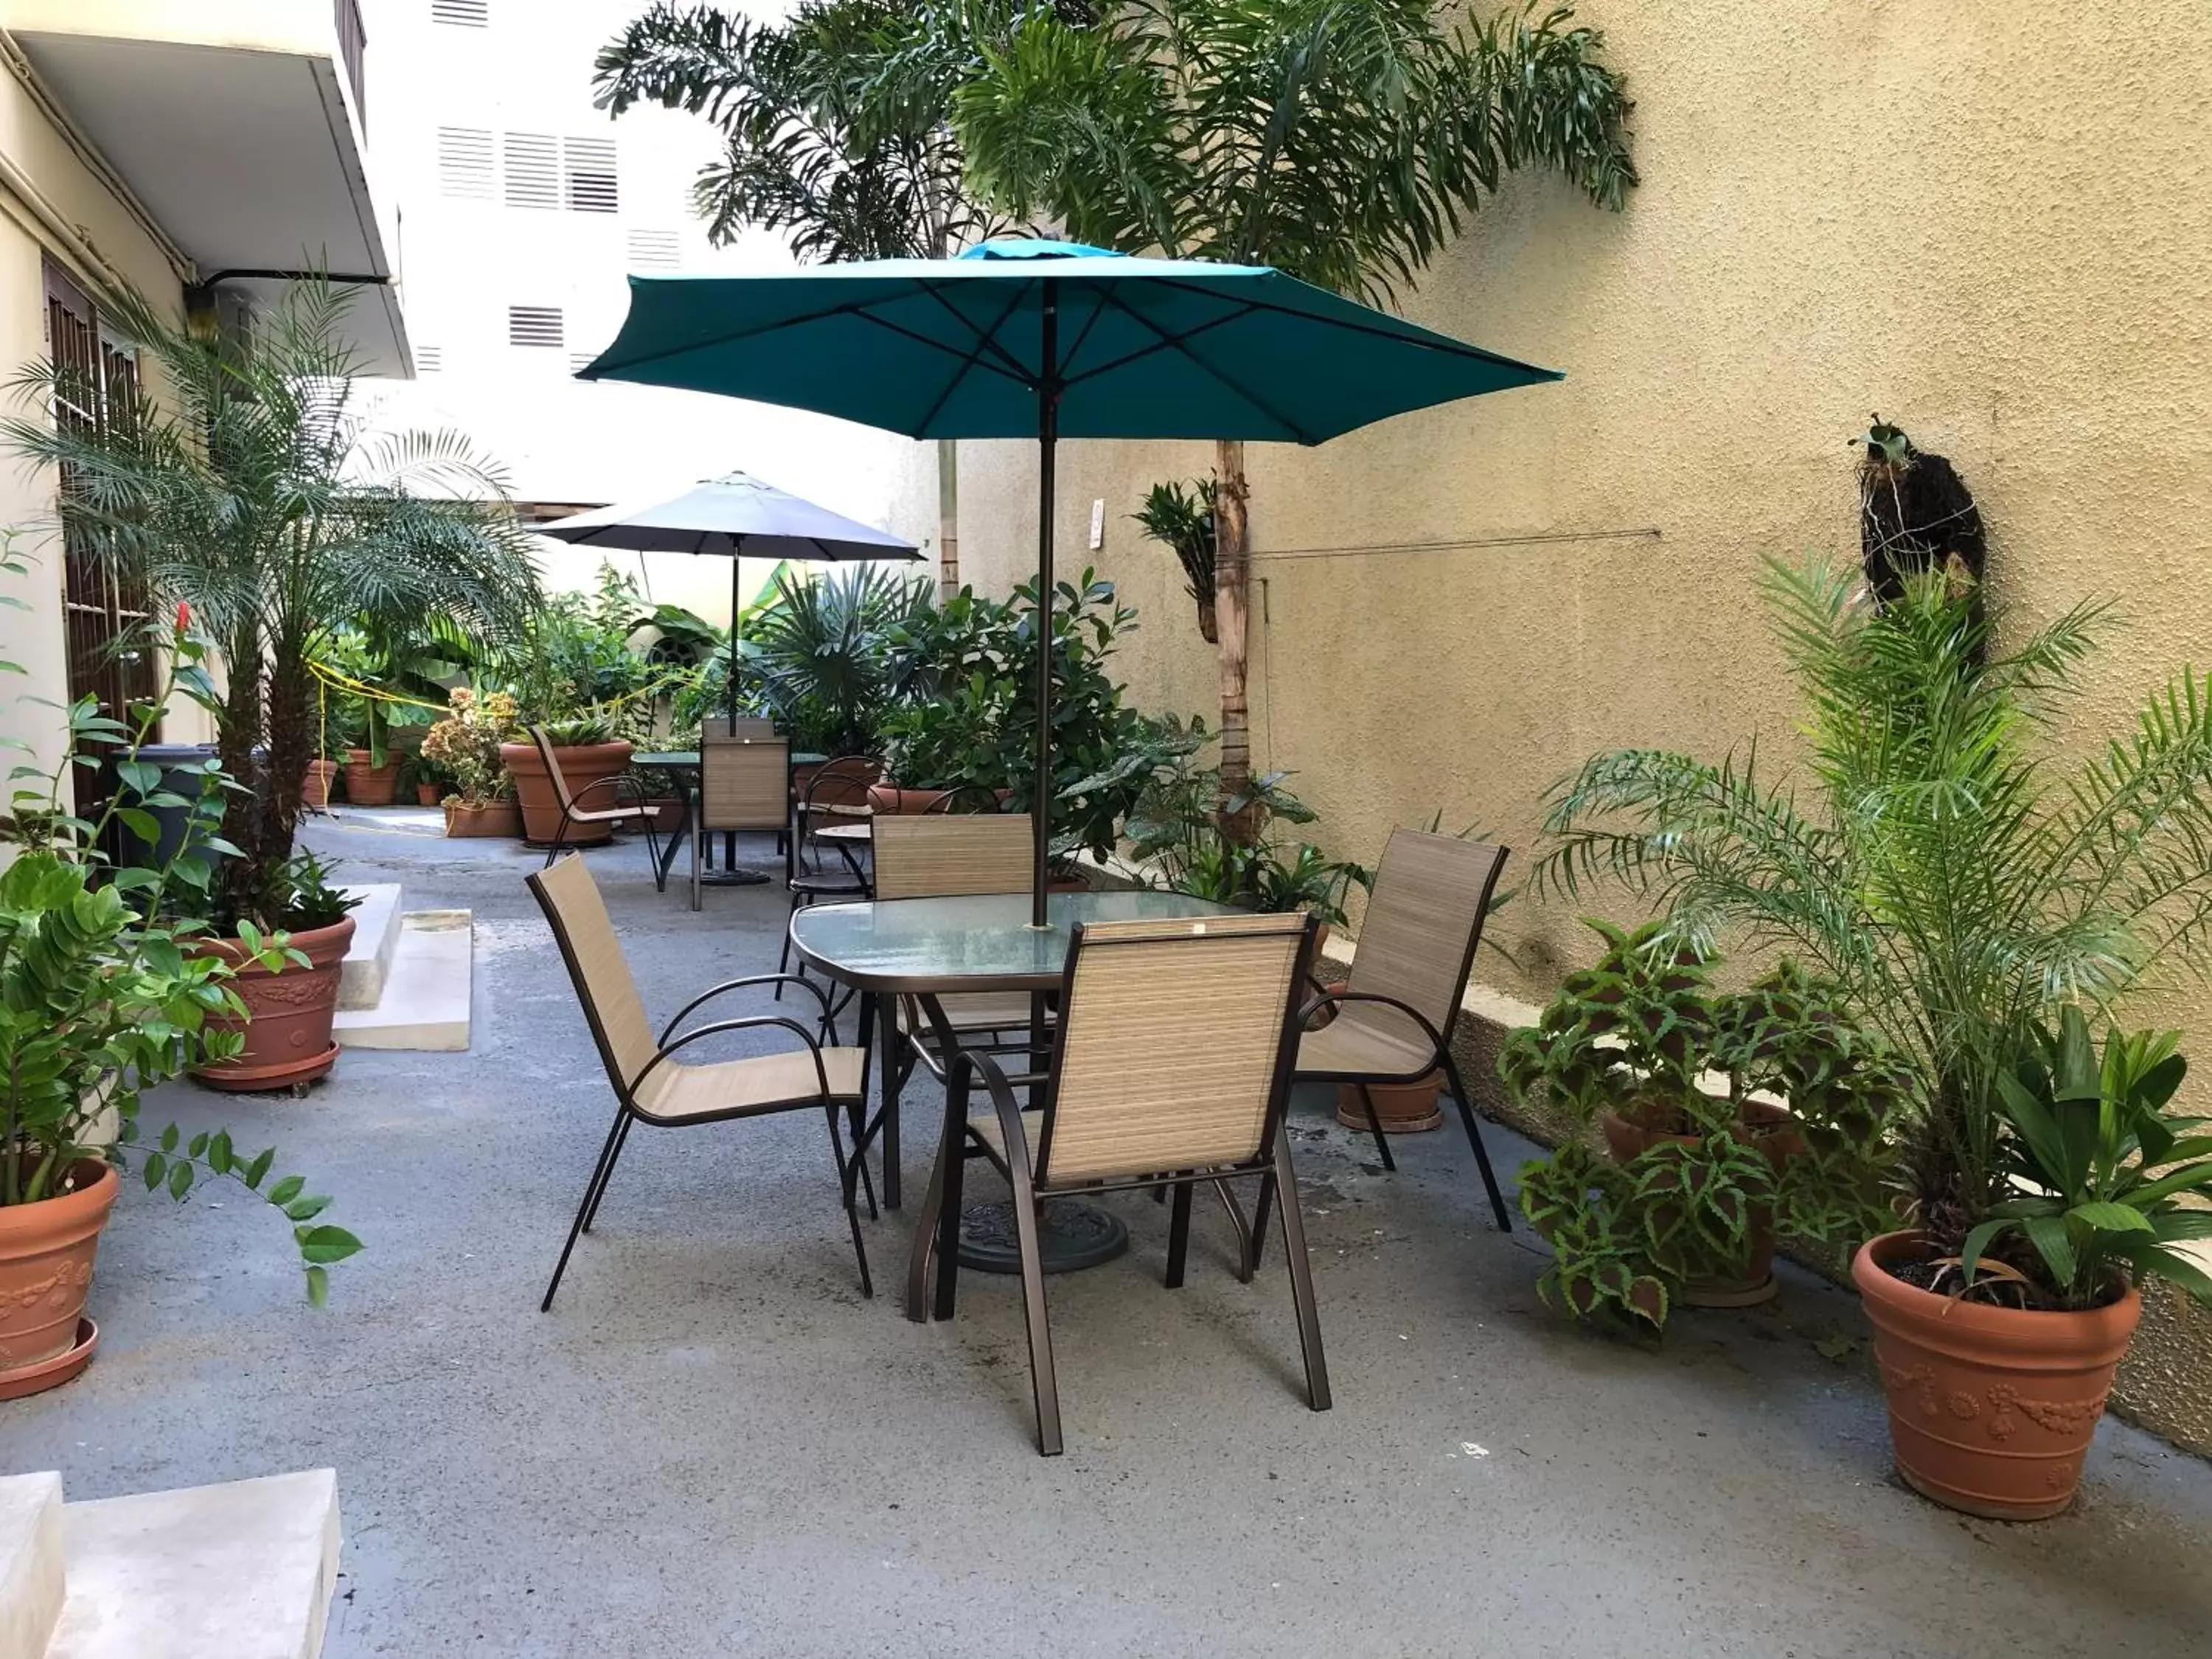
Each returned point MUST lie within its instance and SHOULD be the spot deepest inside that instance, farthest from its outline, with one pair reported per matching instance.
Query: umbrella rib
(1178, 342)
(1434, 342)
(857, 308)
(1076, 350)
(984, 341)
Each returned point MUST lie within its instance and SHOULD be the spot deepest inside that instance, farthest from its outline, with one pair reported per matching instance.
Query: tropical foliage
(821, 648)
(258, 490)
(1938, 859)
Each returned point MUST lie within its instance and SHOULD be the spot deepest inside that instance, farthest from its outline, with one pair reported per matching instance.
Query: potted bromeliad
(575, 675)
(1727, 1120)
(1180, 519)
(467, 746)
(1964, 891)
(103, 993)
(255, 491)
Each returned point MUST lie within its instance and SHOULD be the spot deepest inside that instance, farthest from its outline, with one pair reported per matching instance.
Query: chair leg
(847, 1170)
(1044, 1387)
(1475, 1139)
(560, 839)
(1245, 1254)
(857, 1117)
(591, 1192)
(607, 1173)
(653, 851)
(1260, 1208)
(1375, 1128)
(1178, 1235)
(895, 1076)
(1301, 1291)
(925, 1242)
(783, 961)
(953, 1176)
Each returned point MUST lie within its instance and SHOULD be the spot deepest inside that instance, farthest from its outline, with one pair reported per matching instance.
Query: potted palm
(1929, 758)
(256, 490)
(102, 994)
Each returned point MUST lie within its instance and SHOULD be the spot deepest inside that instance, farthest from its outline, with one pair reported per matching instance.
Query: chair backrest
(544, 740)
(967, 798)
(571, 901)
(1176, 1041)
(744, 784)
(843, 781)
(751, 729)
(1417, 939)
(926, 855)
(714, 725)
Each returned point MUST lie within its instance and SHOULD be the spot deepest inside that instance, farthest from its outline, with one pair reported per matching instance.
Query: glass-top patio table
(928, 948)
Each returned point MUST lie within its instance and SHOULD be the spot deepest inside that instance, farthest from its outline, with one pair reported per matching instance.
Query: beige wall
(43, 180)
(1989, 223)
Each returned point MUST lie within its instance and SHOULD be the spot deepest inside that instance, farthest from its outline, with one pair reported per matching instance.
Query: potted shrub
(1932, 758)
(1996, 1359)
(1180, 519)
(253, 491)
(577, 676)
(1727, 1120)
(467, 746)
(101, 995)
(283, 1018)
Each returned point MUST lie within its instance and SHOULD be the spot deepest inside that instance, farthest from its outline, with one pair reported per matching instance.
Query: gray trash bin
(175, 821)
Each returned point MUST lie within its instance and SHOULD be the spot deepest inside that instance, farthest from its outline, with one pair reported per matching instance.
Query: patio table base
(1074, 1236)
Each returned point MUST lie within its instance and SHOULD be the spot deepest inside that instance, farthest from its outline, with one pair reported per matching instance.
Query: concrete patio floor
(713, 1445)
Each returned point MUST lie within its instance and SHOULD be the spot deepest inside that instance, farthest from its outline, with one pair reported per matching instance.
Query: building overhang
(238, 126)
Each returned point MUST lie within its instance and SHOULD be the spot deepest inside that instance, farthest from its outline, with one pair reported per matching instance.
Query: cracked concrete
(714, 1445)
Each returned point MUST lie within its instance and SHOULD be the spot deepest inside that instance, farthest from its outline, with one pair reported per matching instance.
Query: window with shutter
(532, 170)
(534, 325)
(649, 249)
(464, 162)
(429, 359)
(104, 614)
(588, 170)
(466, 14)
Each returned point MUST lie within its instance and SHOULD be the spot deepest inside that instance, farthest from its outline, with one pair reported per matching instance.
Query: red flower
(184, 617)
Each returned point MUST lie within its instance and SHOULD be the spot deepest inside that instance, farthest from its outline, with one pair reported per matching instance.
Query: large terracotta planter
(1775, 1134)
(370, 786)
(583, 765)
(487, 817)
(46, 1268)
(315, 788)
(1991, 1410)
(1403, 1108)
(288, 1028)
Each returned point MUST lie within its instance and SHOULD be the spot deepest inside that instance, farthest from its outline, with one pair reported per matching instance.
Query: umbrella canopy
(733, 516)
(1045, 339)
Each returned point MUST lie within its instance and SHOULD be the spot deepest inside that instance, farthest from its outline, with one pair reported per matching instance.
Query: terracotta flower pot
(46, 1268)
(288, 1026)
(486, 817)
(370, 786)
(315, 788)
(1775, 1134)
(429, 794)
(583, 765)
(1991, 1410)
(1403, 1108)
(893, 799)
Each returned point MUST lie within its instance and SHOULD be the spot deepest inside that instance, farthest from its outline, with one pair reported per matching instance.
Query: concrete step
(32, 1582)
(425, 1005)
(375, 936)
(242, 1571)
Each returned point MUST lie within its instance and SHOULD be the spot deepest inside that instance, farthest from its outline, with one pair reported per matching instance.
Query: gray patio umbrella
(733, 517)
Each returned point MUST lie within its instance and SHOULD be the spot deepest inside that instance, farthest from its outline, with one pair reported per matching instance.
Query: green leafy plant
(2101, 1175)
(466, 744)
(104, 994)
(1950, 875)
(1181, 519)
(257, 491)
(1795, 1144)
(821, 652)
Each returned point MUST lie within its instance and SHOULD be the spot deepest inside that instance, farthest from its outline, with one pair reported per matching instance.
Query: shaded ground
(713, 1446)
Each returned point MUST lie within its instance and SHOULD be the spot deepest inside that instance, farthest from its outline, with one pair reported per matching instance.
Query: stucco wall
(36, 150)
(1989, 223)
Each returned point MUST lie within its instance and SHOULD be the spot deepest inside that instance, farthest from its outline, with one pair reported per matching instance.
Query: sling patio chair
(816, 869)
(744, 784)
(640, 811)
(945, 855)
(1394, 1018)
(654, 1087)
(1172, 1066)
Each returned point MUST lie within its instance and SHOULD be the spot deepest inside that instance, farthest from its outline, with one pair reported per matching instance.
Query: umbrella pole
(1047, 447)
(737, 624)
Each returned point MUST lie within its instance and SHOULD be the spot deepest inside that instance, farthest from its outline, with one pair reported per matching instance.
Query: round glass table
(926, 948)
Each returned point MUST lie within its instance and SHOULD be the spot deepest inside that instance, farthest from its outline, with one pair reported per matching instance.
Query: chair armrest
(614, 779)
(750, 1023)
(819, 996)
(1337, 998)
(995, 1078)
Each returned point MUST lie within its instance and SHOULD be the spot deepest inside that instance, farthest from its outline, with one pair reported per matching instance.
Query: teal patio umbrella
(1025, 338)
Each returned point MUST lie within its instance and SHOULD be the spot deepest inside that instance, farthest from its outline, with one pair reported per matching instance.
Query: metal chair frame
(852, 1171)
(641, 811)
(1030, 1177)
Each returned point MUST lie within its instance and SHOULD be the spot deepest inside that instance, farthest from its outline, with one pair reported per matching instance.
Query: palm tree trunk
(1232, 572)
(948, 516)
(239, 730)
